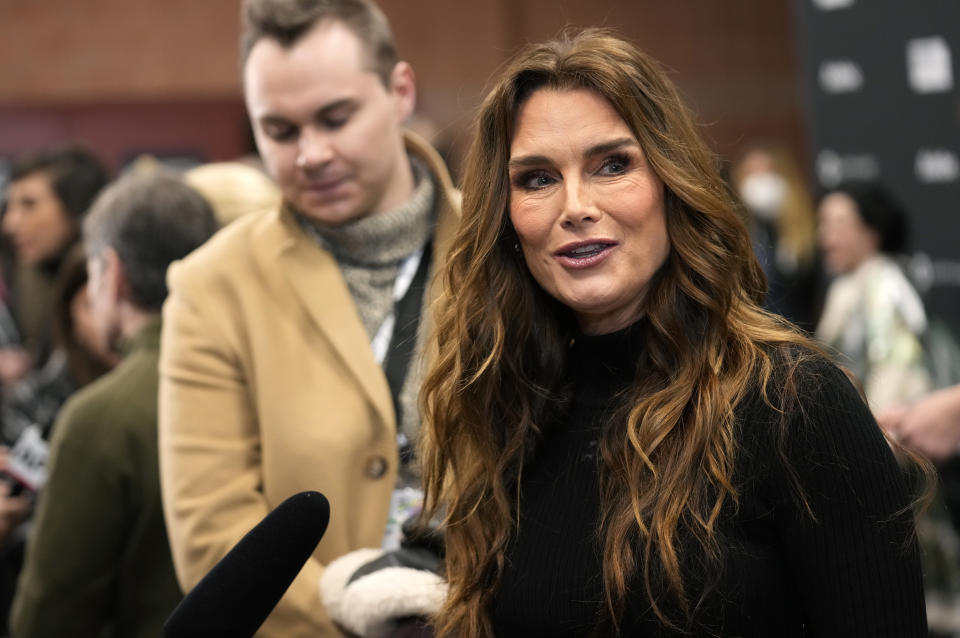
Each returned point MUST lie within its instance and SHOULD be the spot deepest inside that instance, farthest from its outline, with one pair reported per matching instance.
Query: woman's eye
(615, 165)
(534, 181)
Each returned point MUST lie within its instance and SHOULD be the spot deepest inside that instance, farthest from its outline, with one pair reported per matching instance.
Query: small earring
(516, 246)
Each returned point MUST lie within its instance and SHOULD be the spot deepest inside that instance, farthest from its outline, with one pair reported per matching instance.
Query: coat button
(376, 467)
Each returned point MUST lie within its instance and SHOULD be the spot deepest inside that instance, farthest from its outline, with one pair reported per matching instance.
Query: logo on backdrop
(937, 165)
(929, 69)
(926, 272)
(832, 5)
(833, 168)
(840, 76)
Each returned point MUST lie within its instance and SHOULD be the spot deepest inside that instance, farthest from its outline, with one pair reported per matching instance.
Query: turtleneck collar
(384, 238)
(605, 363)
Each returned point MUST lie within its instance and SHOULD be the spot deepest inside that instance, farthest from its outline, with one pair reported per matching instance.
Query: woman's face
(760, 186)
(586, 206)
(846, 241)
(35, 220)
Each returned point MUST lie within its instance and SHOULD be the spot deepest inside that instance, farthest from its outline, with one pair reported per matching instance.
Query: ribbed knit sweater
(854, 571)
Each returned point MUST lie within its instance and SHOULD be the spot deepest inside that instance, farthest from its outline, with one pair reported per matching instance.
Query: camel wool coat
(269, 387)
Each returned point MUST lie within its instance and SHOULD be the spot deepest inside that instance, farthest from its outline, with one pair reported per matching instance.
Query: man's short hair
(76, 175)
(150, 221)
(286, 21)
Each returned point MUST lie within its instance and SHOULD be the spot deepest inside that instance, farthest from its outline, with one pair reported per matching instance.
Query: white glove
(369, 605)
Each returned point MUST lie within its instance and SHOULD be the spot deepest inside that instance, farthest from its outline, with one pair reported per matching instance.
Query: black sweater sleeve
(856, 562)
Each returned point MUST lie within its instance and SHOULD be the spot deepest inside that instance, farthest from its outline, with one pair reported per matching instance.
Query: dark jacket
(98, 562)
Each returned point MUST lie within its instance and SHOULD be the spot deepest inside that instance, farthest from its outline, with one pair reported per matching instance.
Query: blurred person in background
(98, 561)
(233, 189)
(47, 196)
(875, 321)
(292, 340)
(872, 315)
(31, 404)
(929, 425)
(76, 358)
(783, 228)
(46, 352)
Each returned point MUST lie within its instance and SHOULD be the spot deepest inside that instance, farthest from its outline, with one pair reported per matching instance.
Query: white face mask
(763, 194)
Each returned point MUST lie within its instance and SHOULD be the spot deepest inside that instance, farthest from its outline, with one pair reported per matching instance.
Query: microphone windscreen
(238, 594)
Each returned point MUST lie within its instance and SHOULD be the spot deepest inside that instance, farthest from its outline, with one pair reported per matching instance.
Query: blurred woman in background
(48, 194)
(46, 351)
(875, 321)
(234, 189)
(76, 358)
(872, 316)
(34, 401)
(783, 228)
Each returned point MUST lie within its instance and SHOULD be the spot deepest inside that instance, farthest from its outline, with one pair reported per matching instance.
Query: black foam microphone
(238, 594)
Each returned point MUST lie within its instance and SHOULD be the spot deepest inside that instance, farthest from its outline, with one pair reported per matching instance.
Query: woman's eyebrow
(612, 145)
(527, 160)
(597, 149)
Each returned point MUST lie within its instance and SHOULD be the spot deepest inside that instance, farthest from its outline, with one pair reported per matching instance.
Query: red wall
(126, 76)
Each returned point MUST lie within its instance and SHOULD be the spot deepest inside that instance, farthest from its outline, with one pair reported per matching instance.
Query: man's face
(326, 126)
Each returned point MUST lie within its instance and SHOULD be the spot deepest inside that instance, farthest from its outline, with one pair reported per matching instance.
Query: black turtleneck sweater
(852, 572)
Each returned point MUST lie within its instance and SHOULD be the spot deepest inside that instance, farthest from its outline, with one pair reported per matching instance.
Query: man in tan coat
(291, 341)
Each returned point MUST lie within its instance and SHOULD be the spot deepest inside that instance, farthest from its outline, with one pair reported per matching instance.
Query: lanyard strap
(405, 275)
(403, 342)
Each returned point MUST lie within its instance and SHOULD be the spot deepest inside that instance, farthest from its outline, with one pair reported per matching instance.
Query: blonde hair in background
(233, 189)
(797, 224)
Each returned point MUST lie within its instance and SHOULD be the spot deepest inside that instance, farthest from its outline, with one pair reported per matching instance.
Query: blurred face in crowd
(327, 127)
(760, 186)
(757, 161)
(846, 241)
(36, 220)
(587, 207)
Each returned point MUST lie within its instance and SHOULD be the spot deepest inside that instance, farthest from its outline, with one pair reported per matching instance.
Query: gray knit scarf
(369, 252)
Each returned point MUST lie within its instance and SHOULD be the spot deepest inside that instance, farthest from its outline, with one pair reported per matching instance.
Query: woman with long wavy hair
(618, 437)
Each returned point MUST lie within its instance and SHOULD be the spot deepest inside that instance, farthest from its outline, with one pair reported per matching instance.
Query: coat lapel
(315, 277)
(318, 285)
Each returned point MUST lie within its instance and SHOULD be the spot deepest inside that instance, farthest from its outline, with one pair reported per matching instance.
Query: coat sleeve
(68, 582)
(209, 438)
(856, 561)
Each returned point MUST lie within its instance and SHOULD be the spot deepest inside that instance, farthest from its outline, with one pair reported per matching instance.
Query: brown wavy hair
(667, 470)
